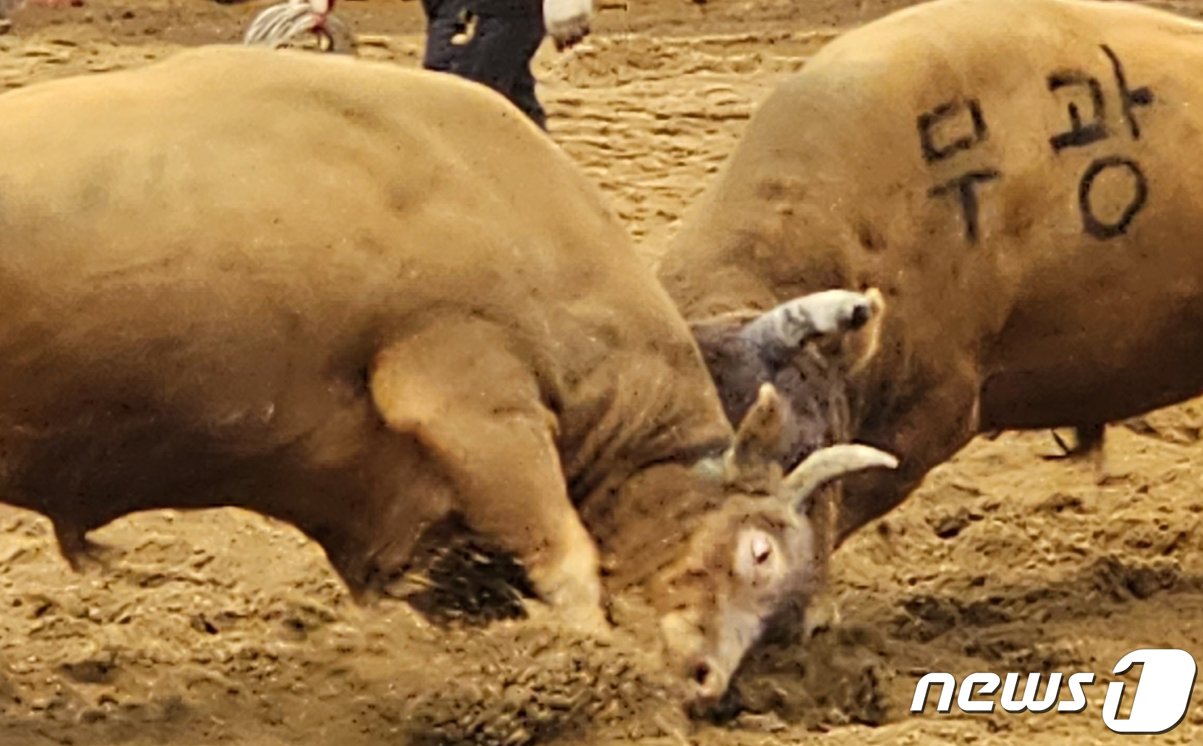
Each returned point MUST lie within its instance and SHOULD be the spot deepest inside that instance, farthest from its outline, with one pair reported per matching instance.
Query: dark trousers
(499, 52)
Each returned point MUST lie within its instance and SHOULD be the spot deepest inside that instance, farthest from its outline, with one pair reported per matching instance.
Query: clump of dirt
(835, 677)
(528, 683)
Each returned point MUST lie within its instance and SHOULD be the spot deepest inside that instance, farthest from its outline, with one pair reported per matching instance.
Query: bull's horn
(829, 463)
(792, 323)
(752, 458)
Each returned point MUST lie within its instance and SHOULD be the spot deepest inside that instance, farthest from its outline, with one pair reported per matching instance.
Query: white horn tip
(868, 457)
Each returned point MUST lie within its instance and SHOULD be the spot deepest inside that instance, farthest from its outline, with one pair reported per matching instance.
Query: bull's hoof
(81, 553)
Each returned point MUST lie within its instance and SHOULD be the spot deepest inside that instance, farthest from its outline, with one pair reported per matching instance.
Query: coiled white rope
(282, 23)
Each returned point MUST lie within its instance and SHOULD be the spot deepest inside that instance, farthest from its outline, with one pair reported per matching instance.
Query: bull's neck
(629, 444)
(642, 524)
(886, 381)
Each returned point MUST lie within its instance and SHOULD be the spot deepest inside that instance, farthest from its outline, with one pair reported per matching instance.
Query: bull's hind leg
(1088, 441)
(476, 412)
(80, 552)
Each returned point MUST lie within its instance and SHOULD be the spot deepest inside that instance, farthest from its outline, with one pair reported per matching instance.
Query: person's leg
(499, 56)
(443, 22)
(522, 93)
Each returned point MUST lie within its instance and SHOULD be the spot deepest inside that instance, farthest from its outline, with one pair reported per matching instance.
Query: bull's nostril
(701, 672)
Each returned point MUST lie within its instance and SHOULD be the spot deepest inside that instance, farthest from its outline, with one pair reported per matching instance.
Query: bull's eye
(762, 549)
(753, 560)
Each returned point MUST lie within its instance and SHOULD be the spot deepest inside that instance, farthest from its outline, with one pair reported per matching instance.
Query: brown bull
(368, 302)
(1016, 177)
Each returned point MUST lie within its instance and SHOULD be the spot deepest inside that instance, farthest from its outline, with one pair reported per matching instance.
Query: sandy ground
(223, 627)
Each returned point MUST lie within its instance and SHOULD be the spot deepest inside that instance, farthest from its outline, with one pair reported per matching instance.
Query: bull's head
(751, 555)
(808, 348)
(781, 376)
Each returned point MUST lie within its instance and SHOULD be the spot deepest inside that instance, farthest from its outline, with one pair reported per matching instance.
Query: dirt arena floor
(225, 628)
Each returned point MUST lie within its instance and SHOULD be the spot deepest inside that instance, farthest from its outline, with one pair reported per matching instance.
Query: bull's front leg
(475, 411)
(510, 488)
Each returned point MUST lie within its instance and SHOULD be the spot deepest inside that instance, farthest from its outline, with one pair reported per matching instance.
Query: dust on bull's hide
(393, 333)
(1009, 173)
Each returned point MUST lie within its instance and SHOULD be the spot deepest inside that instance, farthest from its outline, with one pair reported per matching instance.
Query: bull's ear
(792, 324)
(869, 339)
(751, 462)
(830, 463)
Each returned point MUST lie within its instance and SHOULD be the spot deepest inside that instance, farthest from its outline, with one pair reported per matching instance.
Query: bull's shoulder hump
(234, 126)
(930, 53)
(367, 92)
